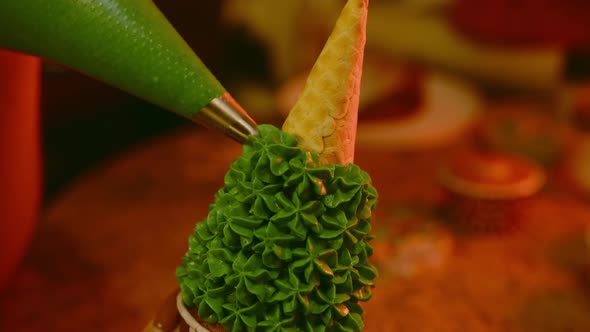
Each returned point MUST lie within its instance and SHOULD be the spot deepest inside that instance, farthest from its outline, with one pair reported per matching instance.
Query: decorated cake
(285, 245)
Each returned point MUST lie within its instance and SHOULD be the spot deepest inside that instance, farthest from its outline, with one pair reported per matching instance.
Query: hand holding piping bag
(128, 44)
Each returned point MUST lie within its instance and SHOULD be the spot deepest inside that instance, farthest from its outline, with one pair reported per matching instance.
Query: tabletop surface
(105, 252)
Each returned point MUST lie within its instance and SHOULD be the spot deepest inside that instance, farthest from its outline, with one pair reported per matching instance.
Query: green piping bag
(128, 44)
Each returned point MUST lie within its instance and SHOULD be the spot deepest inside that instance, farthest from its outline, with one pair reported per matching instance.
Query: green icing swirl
(285, 245)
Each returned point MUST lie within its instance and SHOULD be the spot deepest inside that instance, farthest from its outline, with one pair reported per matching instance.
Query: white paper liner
(188, 318)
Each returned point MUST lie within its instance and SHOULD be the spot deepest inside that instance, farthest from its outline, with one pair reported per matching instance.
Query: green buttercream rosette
(285, 245)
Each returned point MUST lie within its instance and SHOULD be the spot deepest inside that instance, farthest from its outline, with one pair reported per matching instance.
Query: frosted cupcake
(285, 245)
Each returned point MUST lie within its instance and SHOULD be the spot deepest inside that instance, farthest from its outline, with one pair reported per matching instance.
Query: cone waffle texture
(324, 118)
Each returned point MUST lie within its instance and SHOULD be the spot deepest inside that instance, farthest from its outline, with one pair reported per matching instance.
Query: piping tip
(225, 114)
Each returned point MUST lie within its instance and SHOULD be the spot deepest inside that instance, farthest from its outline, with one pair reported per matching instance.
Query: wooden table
(105, 254)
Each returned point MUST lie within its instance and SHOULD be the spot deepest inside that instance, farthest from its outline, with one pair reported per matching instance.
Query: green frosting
(285, 245)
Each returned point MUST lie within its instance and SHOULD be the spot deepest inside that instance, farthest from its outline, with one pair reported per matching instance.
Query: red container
(490, 192)
(20, 179)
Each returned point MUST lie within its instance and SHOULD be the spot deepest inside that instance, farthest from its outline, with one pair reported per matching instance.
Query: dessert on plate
(490, 192)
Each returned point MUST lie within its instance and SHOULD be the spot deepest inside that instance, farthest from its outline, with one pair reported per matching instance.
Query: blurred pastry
(490, 192)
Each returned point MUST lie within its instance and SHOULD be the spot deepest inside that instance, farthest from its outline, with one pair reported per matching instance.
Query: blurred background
(257, 48)
(502, 86)
(261, 50)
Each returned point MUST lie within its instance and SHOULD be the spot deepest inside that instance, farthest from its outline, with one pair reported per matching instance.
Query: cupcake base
(192, 320)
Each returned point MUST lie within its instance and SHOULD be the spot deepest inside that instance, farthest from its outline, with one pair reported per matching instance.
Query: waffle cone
(324, 118)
